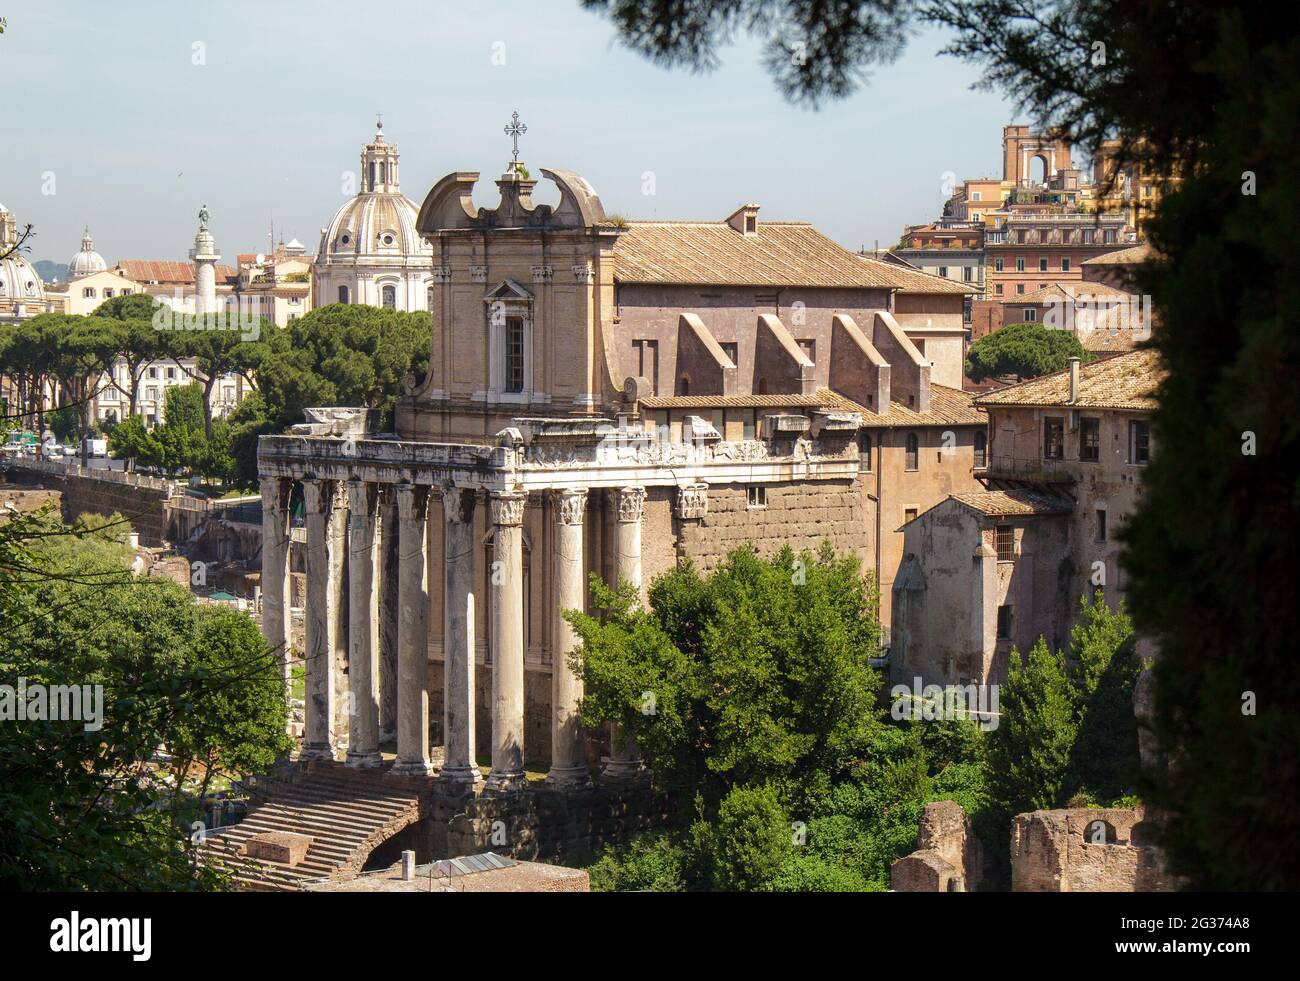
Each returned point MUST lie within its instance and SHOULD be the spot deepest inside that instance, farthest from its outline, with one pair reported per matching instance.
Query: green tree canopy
(1022, 350)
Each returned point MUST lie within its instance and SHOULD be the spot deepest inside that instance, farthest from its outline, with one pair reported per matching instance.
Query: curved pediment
(449, 204)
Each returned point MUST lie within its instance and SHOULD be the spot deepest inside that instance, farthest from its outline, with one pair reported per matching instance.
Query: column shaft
(363, 625)
(460, 768)
(321, 627)
(568, 744)
(275, 571)
(507, 621)
(412, 632)
(625, 758)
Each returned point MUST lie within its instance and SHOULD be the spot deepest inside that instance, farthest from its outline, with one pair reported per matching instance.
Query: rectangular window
(1020, 265)
(968, 274)
(809, 348)
(747, 422)
(1089, 440)
(514, 377)
(1020, 289)
(997, 264)
(864, 451)
(1065, 265)
(108, 294)
(1101, 525)
(909, 514)
(1139, 442)
(757, 497)
(997, 289)
(943, 271)
(1005, 541)
(1042, 265)
(1004, 622)
(1053, 438)
(732, 350)
(974, 195)
(1031, 315)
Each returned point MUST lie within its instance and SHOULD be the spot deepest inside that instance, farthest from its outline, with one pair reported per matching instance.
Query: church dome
(86, 261)
(19, 280)
(380, 221)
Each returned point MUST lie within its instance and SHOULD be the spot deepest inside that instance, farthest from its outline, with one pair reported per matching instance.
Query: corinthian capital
(508, 507)
(573, 505)
(631, 502)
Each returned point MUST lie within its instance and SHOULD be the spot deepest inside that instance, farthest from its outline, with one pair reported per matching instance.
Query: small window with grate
(1005, 541)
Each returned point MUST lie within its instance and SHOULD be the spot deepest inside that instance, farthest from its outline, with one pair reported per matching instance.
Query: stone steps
(346, 812)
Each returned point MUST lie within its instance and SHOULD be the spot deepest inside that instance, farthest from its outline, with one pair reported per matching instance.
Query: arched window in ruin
(1142, 835)
(1100, 832)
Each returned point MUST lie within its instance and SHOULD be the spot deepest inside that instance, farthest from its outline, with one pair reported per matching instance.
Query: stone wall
(948, 856)
(1086, 849)
(801, 515)
(137, 499)
(548, 825)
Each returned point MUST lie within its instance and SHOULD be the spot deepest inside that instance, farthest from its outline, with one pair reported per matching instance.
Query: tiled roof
(1123, 257)
(168, 271)
(1069, 291)
(1020, 501)
(733, 402)
(948, 407)
(1127, 381)
(706, 253)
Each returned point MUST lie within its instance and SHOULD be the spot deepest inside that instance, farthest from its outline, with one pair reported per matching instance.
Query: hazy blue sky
(106, 98)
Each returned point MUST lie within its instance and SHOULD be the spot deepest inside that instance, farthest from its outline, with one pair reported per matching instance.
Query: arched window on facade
(388, 296)
(343, 294)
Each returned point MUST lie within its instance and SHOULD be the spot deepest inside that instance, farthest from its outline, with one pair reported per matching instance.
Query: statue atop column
(203, 218)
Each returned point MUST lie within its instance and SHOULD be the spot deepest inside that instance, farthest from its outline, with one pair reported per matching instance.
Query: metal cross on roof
(515, 130)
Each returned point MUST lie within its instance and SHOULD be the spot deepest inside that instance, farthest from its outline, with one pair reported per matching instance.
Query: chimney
(1074, 381)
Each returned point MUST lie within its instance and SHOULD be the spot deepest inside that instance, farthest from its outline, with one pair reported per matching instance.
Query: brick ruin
(1081, 849)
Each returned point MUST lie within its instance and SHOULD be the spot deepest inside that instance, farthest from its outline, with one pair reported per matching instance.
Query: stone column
(507, 620)
(323, 548)
(389, 604)
(363, 625)
(412, 632)
(276, 492)
(460, 768)
(568, 750)
(625, 761)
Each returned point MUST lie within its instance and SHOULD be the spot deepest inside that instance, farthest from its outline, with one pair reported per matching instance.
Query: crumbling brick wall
(948, 856)
(1086, 849)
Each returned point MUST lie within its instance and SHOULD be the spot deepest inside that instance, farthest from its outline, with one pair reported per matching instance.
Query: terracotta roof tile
(1128, 381)
(1123, 257)
(781, 254)
(168, 271)
(1020, 501)
(948, 407)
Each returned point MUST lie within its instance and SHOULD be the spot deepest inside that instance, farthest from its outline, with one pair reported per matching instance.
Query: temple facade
(605, 397)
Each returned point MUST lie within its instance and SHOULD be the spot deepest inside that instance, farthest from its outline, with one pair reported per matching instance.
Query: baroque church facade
(603, 396)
